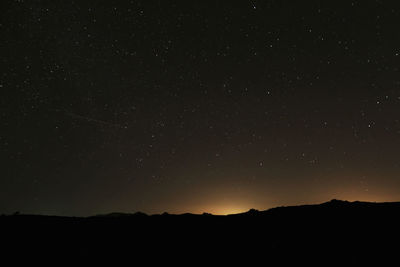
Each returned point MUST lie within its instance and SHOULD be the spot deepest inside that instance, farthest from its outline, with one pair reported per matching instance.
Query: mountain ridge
(252, 211)
(335, 231)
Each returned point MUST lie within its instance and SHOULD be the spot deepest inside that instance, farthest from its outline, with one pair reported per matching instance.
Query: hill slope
(336, 231)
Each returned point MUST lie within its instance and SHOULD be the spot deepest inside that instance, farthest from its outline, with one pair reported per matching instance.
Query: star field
(197, 106)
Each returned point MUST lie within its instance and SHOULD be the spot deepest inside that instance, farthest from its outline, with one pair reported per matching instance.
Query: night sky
(197, 106)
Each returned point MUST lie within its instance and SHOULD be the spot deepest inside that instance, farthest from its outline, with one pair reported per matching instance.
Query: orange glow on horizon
(228, 210)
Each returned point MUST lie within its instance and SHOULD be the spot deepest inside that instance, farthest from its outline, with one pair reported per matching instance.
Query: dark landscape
(158, 111)
(332, 232)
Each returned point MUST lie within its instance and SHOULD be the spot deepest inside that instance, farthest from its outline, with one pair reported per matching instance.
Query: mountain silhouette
(338, 232)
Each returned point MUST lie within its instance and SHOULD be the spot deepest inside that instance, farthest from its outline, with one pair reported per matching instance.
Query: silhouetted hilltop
(332, 205)
(120, 215)
(337, 231)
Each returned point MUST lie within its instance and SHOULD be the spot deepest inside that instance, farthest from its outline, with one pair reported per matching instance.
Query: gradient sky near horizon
(197, 106)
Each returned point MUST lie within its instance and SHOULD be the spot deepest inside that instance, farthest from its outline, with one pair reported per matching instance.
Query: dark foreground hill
(336, 232)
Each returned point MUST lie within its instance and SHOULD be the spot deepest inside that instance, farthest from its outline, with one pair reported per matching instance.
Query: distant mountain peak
(336, 201)
(253, 211)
